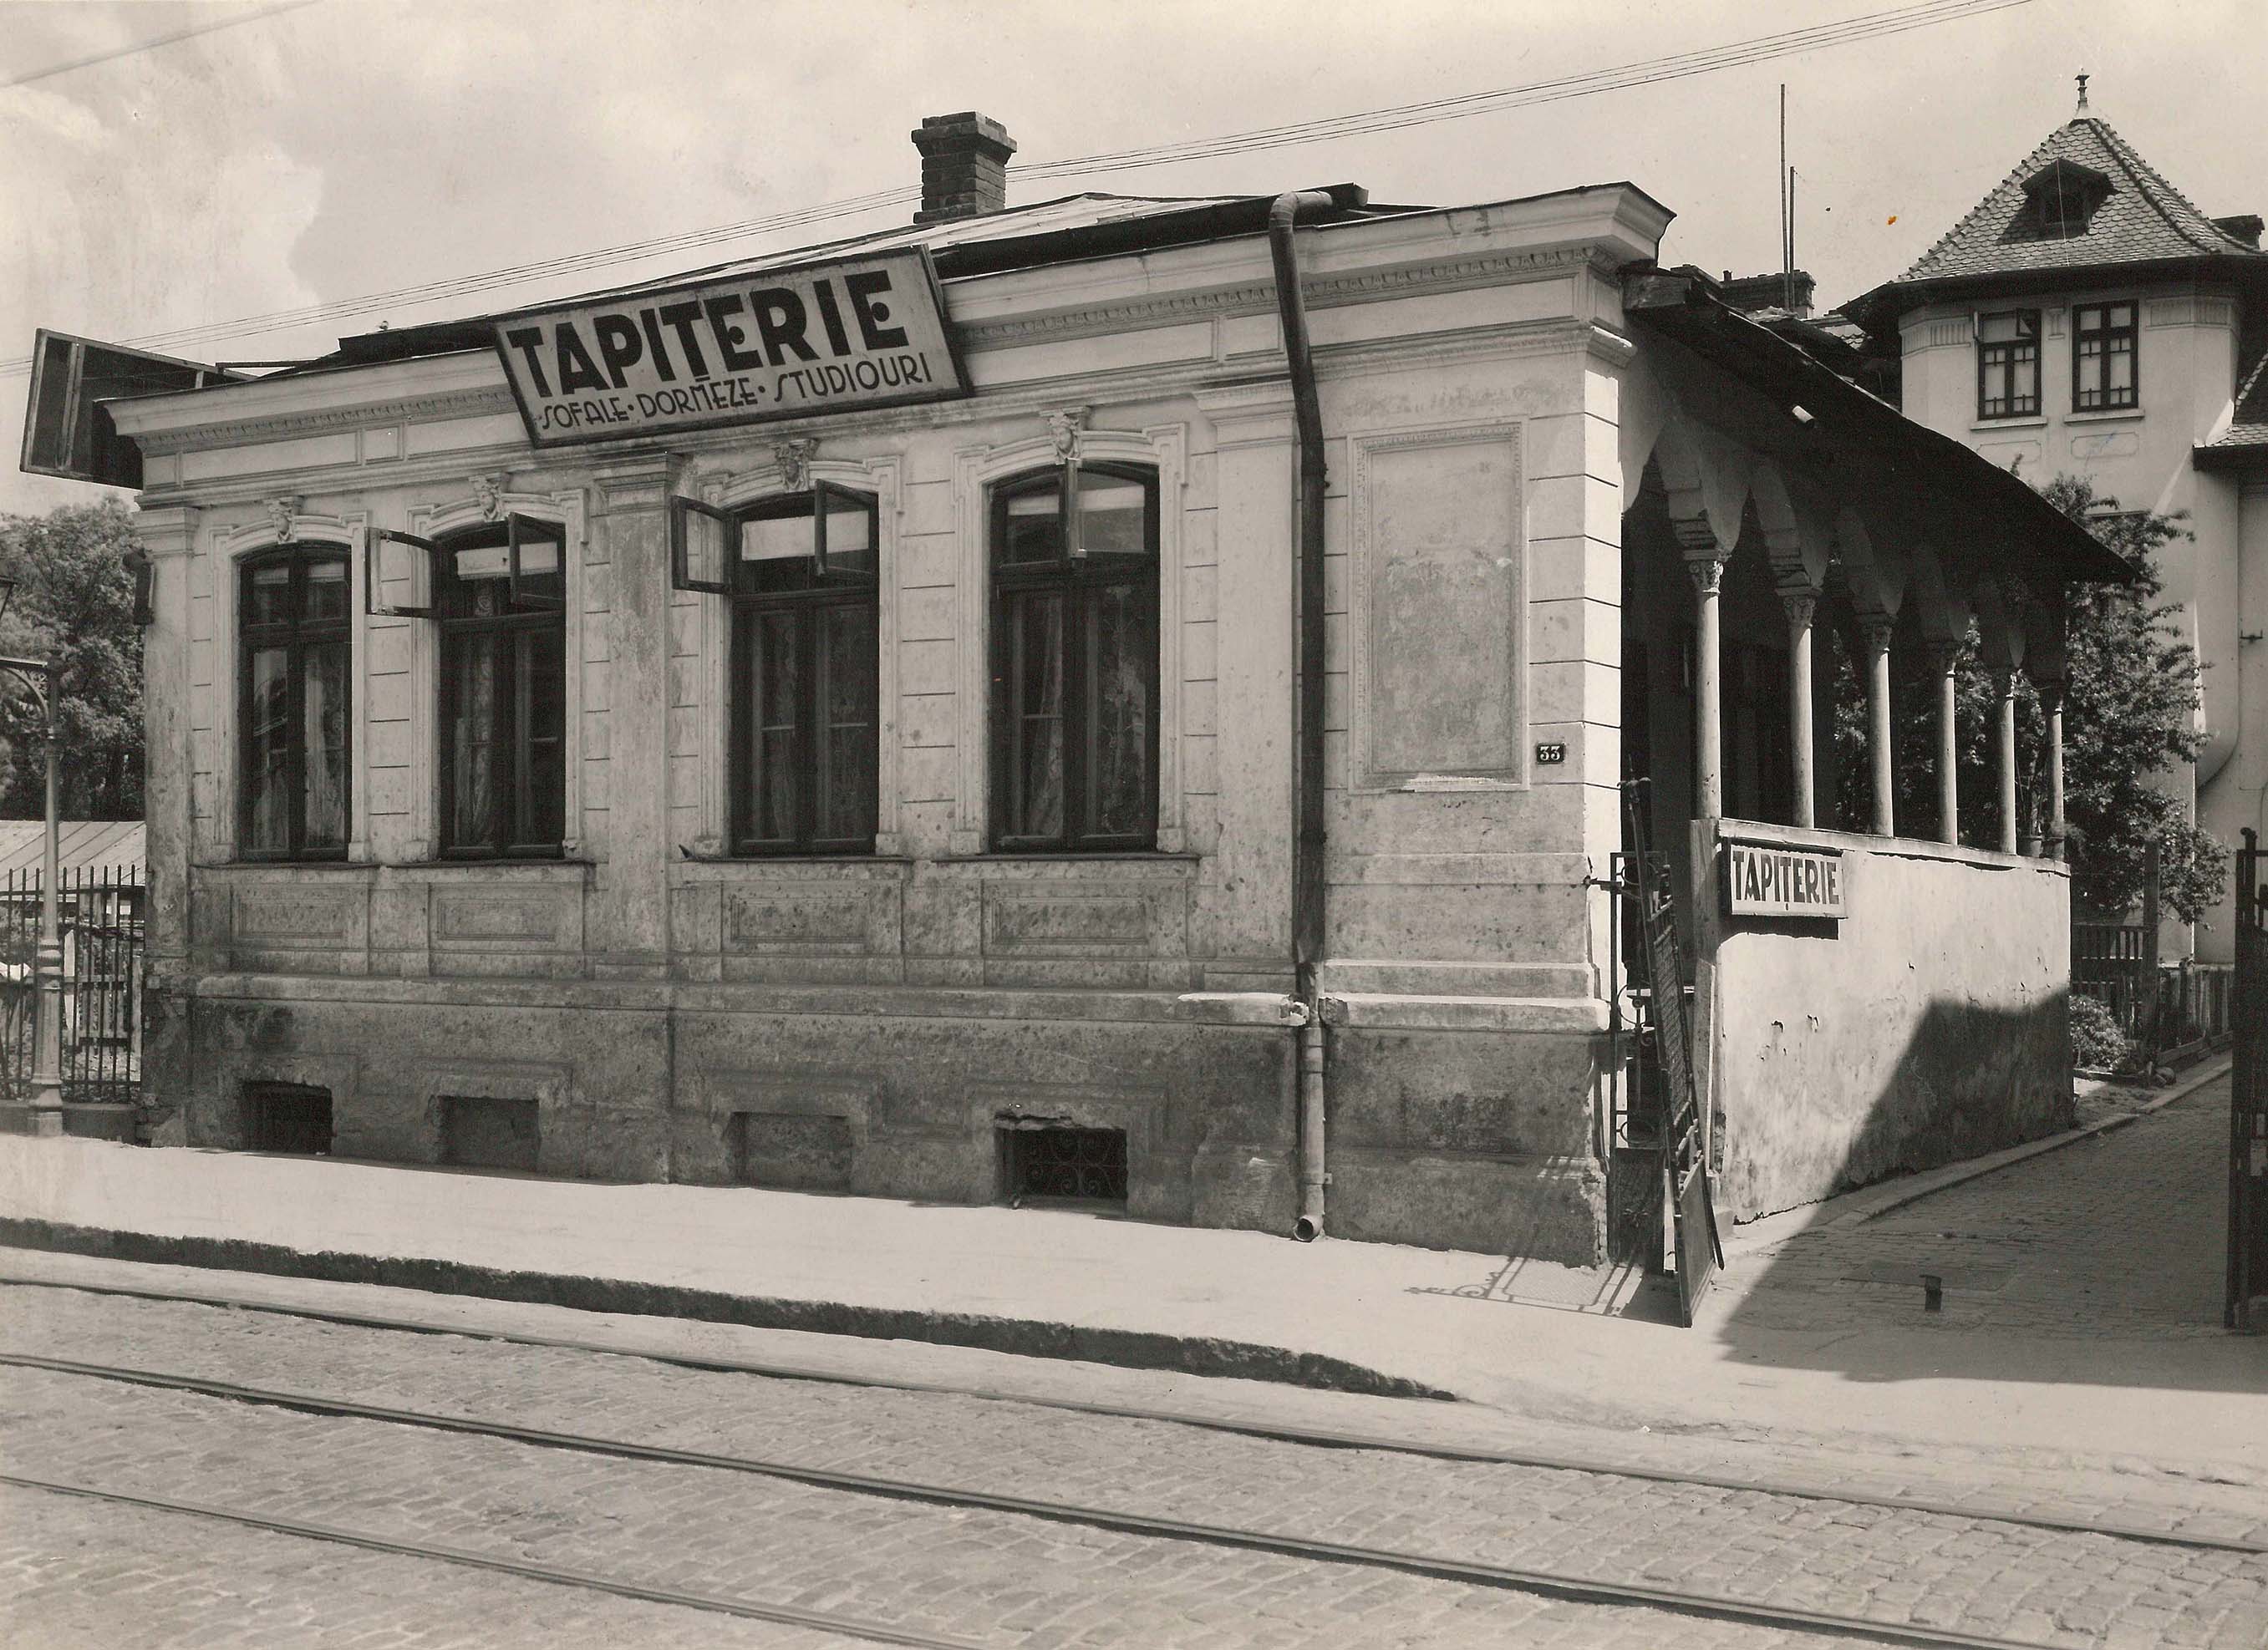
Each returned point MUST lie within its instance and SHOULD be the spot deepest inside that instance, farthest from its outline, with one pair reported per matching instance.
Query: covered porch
(1842, 671)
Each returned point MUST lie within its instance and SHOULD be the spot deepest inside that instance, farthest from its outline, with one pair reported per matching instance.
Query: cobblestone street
(2119, 1235)
(84, 1572)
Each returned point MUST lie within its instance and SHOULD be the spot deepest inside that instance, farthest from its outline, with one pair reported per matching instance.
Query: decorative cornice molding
(1322, 290)
(166, 529)
(284, 426)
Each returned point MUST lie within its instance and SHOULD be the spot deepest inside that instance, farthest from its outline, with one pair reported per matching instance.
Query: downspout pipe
(1307, 885)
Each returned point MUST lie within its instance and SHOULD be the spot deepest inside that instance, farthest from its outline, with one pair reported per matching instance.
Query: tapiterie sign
(778, 343)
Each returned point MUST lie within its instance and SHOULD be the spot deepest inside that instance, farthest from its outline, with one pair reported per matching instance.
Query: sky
(349, 148)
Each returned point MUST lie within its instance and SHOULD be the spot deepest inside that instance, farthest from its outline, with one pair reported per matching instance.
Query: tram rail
(1284, 1432)
(1550, 1583)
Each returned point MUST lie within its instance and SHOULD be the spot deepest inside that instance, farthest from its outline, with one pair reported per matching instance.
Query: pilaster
(628, 935)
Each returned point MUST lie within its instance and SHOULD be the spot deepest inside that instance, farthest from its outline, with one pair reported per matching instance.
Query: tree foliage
(2129, 724)
(74, 604)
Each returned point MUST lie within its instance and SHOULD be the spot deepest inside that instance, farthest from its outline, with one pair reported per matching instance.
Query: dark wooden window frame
(294, 635)
(2110, 400)
(2003, 354)
(529, 615)
(1081, 578)
(834, 585)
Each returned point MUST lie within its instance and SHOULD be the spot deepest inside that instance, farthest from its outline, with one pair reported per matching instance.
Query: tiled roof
(116, 845)
(2249, 427)
(2142, 219)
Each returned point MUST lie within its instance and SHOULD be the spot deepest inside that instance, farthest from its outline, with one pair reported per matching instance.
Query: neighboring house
(890, 718)
(2087, 318)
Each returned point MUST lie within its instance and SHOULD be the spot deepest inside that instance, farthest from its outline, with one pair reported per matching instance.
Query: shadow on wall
(2099, 1263)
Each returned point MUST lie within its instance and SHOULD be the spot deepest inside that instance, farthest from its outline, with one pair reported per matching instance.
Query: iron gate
(99, 912)
(2247, 1103)
(1660, 1149)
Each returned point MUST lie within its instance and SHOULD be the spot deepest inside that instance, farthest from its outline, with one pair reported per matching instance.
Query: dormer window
(2060, 202)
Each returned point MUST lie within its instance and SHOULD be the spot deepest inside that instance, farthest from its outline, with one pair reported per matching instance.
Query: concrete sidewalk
(1801, 1349)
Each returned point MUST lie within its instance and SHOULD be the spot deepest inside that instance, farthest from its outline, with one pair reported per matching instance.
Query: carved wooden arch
(1941, 606)
(487, 500)
(705, 624)
(1706, 480)
(1797, 540)
(1875, 573)
(1163, 447)
(282, 522)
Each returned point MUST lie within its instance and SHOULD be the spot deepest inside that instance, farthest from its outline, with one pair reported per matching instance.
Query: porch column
(1944, 657)
(2005, 747)
(1876, 628)
(1707, 572)
(2051, 693)
(1801, 606)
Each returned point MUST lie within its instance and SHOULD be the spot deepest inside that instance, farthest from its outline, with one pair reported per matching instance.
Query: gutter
(1308, 842)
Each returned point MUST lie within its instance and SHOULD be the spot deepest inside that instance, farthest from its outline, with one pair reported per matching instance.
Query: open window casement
(831, 530)
(1105, 515)
(399, 559)
(843, 535)
(67, 431)
(700, 547)
(537, 558)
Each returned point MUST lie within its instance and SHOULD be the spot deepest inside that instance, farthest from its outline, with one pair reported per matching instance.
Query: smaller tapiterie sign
(775, 343)
(1766, 879)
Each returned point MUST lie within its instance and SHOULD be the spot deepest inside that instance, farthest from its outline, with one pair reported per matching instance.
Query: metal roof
(110, 845)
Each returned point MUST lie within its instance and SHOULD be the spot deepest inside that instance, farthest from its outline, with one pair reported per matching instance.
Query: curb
(1920, 1186)
(1029, 1338)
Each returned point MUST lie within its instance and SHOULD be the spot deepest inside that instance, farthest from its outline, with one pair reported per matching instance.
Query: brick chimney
(964, 166)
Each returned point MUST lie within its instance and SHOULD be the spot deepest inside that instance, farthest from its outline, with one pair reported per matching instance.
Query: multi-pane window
(1074, 554)
(499, 598)
(799, 572)
(2103, 356)
(2008, 364)
(293, 701)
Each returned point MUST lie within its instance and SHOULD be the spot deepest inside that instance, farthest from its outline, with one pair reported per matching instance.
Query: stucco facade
(646, 991)
(1536, 485)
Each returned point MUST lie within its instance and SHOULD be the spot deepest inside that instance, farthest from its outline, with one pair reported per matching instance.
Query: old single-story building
(1117, 698)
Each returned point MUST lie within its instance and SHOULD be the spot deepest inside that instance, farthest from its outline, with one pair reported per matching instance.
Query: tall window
(293, 701)
(499, 597)
(2103, 356)
(1074, 555)
(800, 571)
(2008, 364)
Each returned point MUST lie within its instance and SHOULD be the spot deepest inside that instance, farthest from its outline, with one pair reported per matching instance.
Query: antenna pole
(1787, 276)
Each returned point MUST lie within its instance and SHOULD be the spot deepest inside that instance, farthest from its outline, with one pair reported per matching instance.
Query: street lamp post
(46, 1109)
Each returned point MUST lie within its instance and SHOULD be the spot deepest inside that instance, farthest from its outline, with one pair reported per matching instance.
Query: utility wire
(1926, 14)
(151, 45)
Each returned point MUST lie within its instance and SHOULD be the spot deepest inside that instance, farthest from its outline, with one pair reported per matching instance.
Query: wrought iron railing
(100, 914)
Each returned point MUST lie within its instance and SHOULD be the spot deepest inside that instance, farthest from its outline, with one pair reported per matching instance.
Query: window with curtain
(800, 571)
(499, 603)
(294, 702)
(1074, 563)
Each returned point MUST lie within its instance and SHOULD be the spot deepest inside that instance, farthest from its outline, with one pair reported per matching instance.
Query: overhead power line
(1870, 25)
(151, 45)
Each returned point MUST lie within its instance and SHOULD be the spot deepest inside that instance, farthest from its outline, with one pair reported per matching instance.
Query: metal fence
(99, 912)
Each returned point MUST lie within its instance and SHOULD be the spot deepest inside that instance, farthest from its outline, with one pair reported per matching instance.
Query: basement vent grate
(1054, 1163)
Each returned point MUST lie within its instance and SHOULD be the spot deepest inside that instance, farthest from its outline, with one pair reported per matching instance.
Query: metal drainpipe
(1307, 886)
